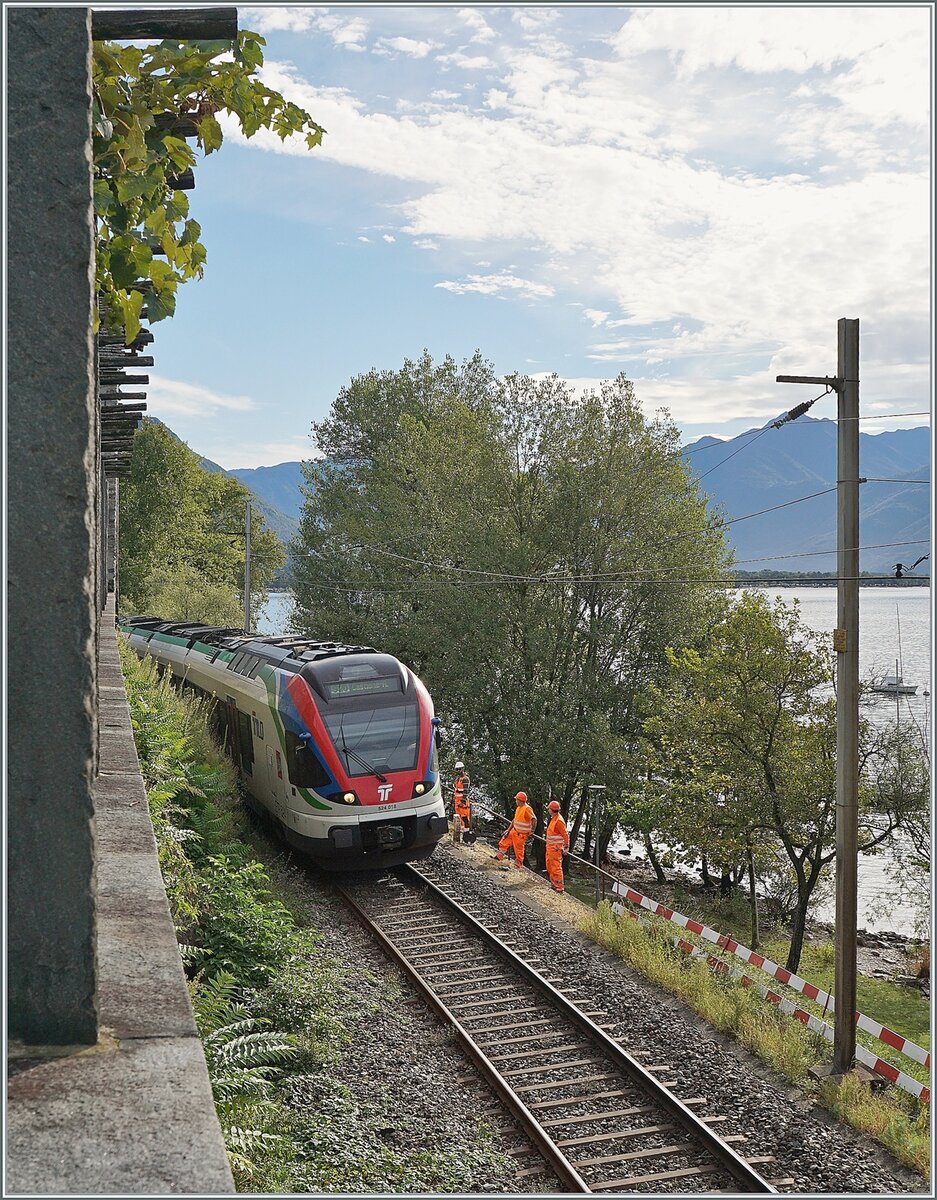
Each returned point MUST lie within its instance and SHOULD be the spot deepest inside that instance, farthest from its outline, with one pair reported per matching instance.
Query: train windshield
(372, 740)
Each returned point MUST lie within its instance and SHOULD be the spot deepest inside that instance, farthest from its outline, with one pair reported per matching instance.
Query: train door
(241, 739)
(275, 781)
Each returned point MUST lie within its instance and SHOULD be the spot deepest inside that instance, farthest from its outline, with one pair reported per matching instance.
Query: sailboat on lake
(894, 685)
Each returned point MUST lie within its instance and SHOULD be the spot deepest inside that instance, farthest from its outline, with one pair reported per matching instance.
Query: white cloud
(172, 397)
(496, 285)
(389, 237)
(362, 238)
(269, 20)
(636, 187)
(595, 315)
(468, 62)
(403, 45)
(481, 30)
(349, 34)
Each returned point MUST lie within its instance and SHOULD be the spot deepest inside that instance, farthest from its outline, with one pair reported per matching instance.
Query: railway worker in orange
(461, 804)
(518, 831)
(557, 844)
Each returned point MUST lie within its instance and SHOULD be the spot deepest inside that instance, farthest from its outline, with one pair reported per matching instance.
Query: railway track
(600, 1120)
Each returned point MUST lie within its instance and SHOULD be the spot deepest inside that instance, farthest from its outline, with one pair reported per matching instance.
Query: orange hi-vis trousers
(555, 867)
(557, 841)
(518, 841)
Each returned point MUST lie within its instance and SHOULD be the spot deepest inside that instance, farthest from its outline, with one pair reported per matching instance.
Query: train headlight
(349, 797)
(420, 789)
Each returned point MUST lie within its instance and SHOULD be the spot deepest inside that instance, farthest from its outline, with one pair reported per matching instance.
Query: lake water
(881, 611)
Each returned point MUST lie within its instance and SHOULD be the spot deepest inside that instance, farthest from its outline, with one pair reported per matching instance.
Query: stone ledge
(134, 1114)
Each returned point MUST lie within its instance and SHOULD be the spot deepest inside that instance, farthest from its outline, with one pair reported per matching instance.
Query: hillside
(759, 469)
(284, 525)
(781, 465)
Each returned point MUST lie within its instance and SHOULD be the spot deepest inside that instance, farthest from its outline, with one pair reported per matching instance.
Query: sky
(690, 195)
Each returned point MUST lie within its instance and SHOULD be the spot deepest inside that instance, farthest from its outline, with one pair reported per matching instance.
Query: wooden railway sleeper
(543, 1036)
(460, 991)
(599, 1116)
(578, 1099)
(555, 1083)
(514, 1057)
(486, 1003)
(562, 1066)
(660, 1177)
(616, 1135)
(517, 1025)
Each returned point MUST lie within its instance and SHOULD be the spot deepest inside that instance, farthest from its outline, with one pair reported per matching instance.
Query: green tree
(523, 549)
(181, 552)
(145, 99)
(747, 737)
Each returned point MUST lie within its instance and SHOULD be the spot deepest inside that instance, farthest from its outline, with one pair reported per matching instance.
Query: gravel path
(407, 1076)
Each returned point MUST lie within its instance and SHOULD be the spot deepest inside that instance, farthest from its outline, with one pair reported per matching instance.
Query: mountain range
(762, 468)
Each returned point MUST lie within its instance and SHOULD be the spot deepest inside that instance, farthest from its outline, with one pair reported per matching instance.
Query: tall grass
(895, 1120)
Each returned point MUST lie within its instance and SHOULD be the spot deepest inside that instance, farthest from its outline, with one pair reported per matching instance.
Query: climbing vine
(146, 99)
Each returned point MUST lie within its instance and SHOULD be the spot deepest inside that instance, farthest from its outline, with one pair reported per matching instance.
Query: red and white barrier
(886, 1069)
(885, 1035)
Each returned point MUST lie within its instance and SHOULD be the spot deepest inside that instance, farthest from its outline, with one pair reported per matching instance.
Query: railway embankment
(132, 1115)
(780, 1119)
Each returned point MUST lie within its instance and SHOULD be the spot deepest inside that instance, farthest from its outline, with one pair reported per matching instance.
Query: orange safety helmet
(554, 806)
(521, 797)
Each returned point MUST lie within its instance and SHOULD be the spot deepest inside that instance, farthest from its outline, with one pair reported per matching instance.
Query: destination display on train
(363, 687)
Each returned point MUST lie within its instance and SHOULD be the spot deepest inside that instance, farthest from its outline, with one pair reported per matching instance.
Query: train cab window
(302, 765)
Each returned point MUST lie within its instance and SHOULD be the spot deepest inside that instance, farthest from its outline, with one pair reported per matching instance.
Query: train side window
(302, 765)
(236, 661)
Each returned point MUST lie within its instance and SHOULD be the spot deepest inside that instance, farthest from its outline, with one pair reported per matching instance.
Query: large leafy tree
(746, 741)
(181, 540)
(147, 99)
(526, 551)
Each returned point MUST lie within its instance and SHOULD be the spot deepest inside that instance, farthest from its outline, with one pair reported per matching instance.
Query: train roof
(295, 651)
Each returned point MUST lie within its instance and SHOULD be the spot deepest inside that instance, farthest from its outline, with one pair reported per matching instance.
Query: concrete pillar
(52, 535)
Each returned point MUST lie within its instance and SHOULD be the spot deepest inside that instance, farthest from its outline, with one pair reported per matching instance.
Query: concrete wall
(52, 536)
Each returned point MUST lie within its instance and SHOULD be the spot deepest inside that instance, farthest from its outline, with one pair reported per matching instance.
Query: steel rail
(734, 1164)
(553, 1156)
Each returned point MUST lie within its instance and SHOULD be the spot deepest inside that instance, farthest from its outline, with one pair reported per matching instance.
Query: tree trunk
(704, 873)
(798, 928)
(753, 901)
(653, 860)
(725, 883)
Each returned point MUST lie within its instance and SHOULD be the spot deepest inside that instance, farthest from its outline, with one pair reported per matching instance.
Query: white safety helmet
(460, 766)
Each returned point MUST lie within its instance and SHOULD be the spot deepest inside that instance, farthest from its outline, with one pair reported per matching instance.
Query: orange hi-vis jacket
(524, 821)
(459, 791)
(517, 833)
(557, 834)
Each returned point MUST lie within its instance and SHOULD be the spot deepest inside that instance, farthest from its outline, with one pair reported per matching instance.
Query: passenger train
(337, 743)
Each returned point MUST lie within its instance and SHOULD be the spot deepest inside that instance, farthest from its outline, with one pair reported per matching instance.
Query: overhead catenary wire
(730, 581)
(504, 575)
(404, 585)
